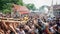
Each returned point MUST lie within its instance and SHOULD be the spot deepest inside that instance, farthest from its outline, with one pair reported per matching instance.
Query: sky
(39, 3)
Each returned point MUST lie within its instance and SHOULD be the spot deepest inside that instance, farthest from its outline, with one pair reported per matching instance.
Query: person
(40, 26)
(1, 31)
(12, 30)
(36, 30)
(21, 30)
(58, 25)
(26, 29)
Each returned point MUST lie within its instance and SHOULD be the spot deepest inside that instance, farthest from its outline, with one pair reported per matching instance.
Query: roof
(21, 9)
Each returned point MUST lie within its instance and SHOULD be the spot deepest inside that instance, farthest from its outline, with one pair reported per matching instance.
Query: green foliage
(6, 5)
(6, 11)
(42, 8)
(7, 8)
(31, 6)
(20, 2)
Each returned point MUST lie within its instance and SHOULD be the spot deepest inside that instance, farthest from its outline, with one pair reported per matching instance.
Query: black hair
(21, 26)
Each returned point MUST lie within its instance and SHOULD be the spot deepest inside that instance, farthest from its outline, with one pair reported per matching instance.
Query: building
(56, 10)
(19, 10)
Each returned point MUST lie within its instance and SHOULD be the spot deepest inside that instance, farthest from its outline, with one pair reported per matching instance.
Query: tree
(7, 8)
(6, 5)
(20, 2)
(42, 8)
(31, 6)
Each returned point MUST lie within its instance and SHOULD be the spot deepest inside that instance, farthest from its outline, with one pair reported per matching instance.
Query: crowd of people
(33, 26)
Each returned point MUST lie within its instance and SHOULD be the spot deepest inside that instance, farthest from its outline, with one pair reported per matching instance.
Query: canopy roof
(21, 9)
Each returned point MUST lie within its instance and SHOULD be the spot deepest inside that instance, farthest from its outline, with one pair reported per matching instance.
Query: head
(21, 27)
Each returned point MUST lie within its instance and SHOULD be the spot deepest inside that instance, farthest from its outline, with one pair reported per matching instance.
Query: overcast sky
(39, 3)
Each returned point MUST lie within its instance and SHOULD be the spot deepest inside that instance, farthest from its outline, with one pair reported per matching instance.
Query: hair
(21, 26)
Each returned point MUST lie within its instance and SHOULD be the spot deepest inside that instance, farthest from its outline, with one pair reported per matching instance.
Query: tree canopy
(31, 6)
(6, 5)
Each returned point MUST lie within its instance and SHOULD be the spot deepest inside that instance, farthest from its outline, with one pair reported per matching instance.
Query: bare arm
(4, 24)
(13, 29)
